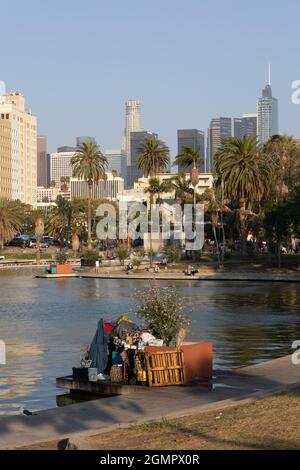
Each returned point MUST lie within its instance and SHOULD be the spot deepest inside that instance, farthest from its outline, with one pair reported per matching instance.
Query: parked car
(32, 243)
(17, 242)
(2, 258)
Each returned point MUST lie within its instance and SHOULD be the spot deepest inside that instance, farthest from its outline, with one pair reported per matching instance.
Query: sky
(77, 62)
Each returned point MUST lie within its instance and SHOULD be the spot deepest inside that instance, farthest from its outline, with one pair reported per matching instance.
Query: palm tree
(65, 182)
(189, 156)
(182, 188)
(154, 157)
(60, 219)
(11, 220)
(214, 204)
(154, 189)
(89, 164)
(246, 176)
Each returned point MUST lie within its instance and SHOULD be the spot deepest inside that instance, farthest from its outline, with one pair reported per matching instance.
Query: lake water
(46, 324)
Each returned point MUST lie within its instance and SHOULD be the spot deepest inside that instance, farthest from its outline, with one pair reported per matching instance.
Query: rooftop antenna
(269, 74)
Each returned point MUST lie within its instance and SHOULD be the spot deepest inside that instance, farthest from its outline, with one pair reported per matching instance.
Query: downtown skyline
(225, 81)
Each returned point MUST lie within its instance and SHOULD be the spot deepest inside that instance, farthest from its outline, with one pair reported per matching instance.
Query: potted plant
(62, 267)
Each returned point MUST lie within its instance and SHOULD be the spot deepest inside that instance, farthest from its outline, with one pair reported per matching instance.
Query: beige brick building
(18, 150)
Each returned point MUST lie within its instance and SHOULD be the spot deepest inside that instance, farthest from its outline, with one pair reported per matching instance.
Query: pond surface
(46, 325)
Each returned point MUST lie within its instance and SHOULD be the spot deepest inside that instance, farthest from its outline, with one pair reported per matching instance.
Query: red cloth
(108, 327)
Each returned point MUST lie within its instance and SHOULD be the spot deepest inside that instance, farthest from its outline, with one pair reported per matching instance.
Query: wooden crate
(165, 368)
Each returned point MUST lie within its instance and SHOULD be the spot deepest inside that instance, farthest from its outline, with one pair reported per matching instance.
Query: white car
(2, 258)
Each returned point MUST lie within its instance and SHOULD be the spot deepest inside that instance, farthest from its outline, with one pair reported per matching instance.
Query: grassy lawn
(272, 423)
(24, 256)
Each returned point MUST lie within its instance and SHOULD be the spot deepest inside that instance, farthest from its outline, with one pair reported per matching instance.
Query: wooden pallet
(165, 368)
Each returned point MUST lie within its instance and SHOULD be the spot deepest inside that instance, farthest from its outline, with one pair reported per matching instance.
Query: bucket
(93, 373)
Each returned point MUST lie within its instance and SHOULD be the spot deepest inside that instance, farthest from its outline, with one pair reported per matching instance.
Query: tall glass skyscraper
(219, 130)
(195, 139)
(133, 124)
(267, 115)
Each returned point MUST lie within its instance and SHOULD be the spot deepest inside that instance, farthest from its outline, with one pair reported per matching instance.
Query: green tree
(277, 223)
(154, 156)
(284, 153)
(181, 187)
(122, 254)
(246, 175)
(60, 219)
(215, 206)
(11, 220)
(65, 183)
(189, 156)
(89, 164)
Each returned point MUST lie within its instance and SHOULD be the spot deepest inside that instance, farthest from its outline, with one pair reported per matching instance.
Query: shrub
(122, 254)
(90, 257)
(61, 257)
(163, 312)
(172, 253)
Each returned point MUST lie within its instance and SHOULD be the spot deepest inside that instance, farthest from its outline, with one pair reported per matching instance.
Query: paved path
(247, 276)
(229, 389)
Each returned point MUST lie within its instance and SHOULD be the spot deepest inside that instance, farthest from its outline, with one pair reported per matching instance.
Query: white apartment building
(18, 150)
(107, 188)
(47, 194)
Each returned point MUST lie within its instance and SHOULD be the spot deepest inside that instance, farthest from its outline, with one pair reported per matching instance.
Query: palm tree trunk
(224, 238)
(150, 234)
(89, 216)
(243, 225)
(217, 244)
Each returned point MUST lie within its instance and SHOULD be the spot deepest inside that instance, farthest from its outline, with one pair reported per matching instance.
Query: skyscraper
(136, 139)
(192, 138)
(61, 167)
(18, 150)
(219, 130)
(117, 161)
(43, 175)
(245, 126)
(267, 114)
(133, 124)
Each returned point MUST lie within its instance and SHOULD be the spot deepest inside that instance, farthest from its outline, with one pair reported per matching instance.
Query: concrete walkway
(228, 389)
(169, 276)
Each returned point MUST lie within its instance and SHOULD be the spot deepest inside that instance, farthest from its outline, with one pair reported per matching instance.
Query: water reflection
(46, 324)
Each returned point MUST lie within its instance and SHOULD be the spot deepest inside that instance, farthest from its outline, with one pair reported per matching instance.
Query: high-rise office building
(43, 162)
(117, 162)
(61, 167)
(267, 114)
(191, 138)
(81, 139)
(133, 124)
(219, 130)
(18, 150)
(104, 189)
(245, 126)
(136, 139)
(66, 148)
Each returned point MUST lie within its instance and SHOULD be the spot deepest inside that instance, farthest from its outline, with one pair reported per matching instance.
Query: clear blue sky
(77, 62)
